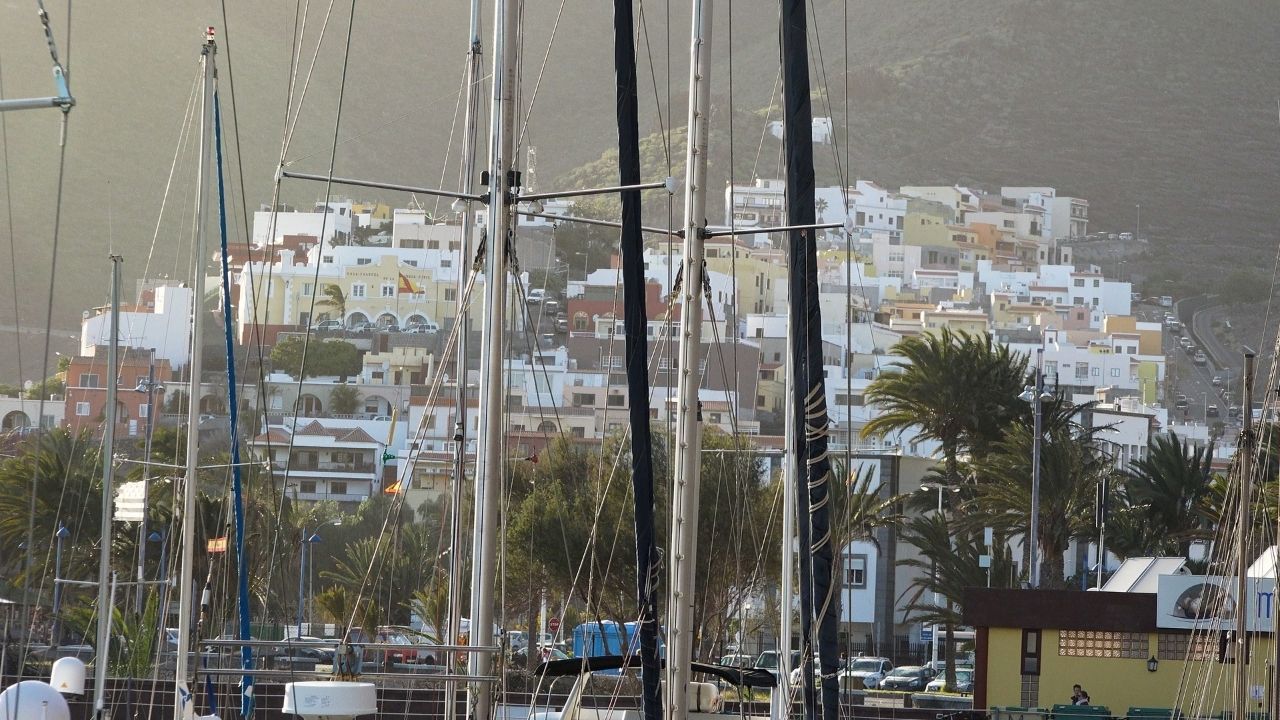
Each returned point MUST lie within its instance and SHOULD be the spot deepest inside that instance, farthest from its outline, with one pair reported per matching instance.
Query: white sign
(1209, 602)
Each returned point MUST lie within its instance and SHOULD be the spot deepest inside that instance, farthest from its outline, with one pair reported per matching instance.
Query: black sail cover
(637, 354)
(813, 472)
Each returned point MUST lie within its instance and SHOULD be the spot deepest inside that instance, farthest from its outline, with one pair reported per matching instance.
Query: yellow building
(973, 322)
(1033, 645)
(1149, 334)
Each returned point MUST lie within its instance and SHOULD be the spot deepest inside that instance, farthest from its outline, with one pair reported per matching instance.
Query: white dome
(67, 676)
(33, 699)
(329, 699)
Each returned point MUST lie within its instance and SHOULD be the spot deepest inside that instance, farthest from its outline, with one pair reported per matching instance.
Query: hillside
(1170, 105)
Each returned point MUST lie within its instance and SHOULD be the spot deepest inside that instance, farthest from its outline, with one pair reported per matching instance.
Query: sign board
(1207, 602)
(926, 634)
(554, 624)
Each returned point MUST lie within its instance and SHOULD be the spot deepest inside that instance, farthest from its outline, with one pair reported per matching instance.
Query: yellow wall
(1116, 683)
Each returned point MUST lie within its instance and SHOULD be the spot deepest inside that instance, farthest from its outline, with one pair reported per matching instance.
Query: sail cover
(637, 354)
(817, 591)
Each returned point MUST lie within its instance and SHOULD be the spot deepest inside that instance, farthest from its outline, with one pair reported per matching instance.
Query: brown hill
(1170, 105)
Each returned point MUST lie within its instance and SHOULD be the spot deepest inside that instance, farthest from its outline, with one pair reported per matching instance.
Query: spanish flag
(216, 545)
(407, 286)
(394, 488)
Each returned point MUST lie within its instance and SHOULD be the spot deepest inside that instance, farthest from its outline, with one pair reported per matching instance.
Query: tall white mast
(780, 705)
(103, 641)
(492, 349)
(684, 492)
(183, 706)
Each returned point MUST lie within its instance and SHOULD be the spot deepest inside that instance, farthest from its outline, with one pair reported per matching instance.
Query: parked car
(1211, 411)
(361, 326)
(389, 328)
(327, 326)
(1200, 358)
(535, 296)
(1181, 402)
(907, 677)
(865, 672)
(768, 660)
(1233, 411)
(1217, 381)
(964, 682)
(425, 328)
(737, 661)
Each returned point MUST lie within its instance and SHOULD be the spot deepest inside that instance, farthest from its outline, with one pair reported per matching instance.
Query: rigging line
(44, 365)
(764, 130)
(453, 127)
(13, 257)
(415, 112)
(306, 83)
(183, 133)
(533, 98)
(653, 76)
(306, 342)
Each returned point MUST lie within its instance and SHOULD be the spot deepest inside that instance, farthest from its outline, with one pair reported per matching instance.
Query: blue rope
(237, 487)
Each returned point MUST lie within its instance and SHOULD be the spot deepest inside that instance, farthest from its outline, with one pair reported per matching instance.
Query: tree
(949, 565)
(330, 357)
(334, 299)
(959, 389)
(1071, 466)
(344, 400)
(1165, 492)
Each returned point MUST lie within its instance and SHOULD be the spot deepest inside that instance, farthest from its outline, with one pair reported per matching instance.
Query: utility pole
(1240, 638)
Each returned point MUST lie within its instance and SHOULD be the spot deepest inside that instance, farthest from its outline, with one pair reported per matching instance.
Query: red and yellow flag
(407, 286)
(217, 545)
(394, 488)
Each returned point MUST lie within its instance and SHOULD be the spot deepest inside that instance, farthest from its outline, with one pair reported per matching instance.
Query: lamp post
(305, 541)
(1036, 395)
(937, 599)
(62, 534)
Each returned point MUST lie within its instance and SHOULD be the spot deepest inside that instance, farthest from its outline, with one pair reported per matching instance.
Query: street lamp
(1036, 395)
(305, 541)
(62, 534)
(584, 265)
(937, 599)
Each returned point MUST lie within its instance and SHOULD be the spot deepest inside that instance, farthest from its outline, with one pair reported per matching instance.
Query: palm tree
(949, 564)
(958, 389)
(334, 298)
(1166, 491)
(1071, 466)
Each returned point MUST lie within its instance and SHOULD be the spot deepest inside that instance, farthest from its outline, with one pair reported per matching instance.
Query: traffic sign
(553, 624)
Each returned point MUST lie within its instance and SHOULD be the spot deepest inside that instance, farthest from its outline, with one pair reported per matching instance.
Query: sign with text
(1204, 602)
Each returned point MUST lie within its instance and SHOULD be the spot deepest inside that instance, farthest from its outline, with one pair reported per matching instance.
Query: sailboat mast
(635, 321)
(781, 708)
(474, 58)
(1241, 695)
(108, 475)
(183, 706)
(685, 488)
(489, 464)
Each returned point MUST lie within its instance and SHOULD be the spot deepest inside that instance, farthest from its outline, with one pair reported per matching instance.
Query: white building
(336, 222)
(162, 324)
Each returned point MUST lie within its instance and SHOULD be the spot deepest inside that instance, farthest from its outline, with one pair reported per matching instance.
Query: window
(307, 486)
(363, 261)
(1103, 644)
(411, 263)
(388, 290)
(1115, 372)
(82, 409)
(411, 244)
(326, 259)
(1095, 372)
(583, 399)
(617, 400)
(1182, 646)
(451, 294)
(1097, 283)
(337, 487)
(1079, 282)
(1030, 652)
(580, 321)
(89, 380)
(579, 432)
(446, 263)
(308, 289)
(357, 290)
(144, 410)
(857, 575)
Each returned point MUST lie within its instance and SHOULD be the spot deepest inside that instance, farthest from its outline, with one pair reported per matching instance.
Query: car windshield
(866, 666)
(964, 675)
(909, 671)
